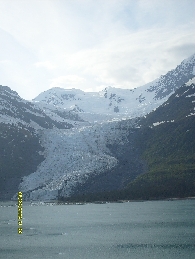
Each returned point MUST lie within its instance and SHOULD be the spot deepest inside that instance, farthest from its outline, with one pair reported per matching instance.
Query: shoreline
(118, 201)
(56, 202)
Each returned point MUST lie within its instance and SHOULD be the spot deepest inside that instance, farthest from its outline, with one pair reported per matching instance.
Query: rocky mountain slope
(67, 142)
(165, 145)
(17, 111)
(21, 123)
(119, 103)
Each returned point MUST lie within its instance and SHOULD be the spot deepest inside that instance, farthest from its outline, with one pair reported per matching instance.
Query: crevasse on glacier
(70, 156)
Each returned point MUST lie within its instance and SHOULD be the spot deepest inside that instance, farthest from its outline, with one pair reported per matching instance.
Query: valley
(111, 145)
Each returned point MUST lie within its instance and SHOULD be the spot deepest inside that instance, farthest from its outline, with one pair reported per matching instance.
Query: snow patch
(191, 95)
(161, 122)
(191, 81)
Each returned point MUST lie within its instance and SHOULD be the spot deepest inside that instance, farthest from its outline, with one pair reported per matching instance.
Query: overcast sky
(91, 44)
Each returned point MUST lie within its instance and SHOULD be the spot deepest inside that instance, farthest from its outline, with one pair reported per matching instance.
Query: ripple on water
(163, 246)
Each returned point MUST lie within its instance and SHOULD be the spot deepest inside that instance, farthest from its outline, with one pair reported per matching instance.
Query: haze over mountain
(119, 102)
(68, 142)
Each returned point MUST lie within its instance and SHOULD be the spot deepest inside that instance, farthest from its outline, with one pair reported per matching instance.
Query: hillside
(165, 145)
(69, 143)
(20, 155)
(21, 123)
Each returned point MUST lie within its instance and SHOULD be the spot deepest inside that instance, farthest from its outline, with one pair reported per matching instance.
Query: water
(135, 230)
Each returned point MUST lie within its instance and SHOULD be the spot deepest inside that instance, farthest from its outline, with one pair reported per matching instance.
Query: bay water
(135, 230)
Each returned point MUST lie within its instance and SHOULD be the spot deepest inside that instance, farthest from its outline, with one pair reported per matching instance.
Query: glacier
(70, 156)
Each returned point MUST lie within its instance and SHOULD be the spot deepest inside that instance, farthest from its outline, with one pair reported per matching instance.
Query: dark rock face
(19, 156)
(15, 107)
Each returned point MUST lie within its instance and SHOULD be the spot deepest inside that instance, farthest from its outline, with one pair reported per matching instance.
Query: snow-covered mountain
(17, 111)
(157, 161)
(73, 131)
(21, 123)
(119, 103)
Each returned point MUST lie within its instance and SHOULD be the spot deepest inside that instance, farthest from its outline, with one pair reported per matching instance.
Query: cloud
(90, 44)
(68, 81)
(182, 49)
(127, 62)
(45, 64)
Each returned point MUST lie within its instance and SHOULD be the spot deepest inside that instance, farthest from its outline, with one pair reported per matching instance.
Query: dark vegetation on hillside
(157, 161)
(19, 156)
(168, 151)
(19, 144)
(118, 177)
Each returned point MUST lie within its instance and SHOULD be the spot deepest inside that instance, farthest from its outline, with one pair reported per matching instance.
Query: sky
(91, 44)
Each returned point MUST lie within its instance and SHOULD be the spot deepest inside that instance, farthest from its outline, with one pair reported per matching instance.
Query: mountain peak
(8, 90)
(190, 59)
(84, 134)
(117, 102)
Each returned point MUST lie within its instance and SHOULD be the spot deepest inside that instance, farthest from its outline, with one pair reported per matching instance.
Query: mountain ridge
(69, 147)
(165, 149)
(118, 103)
